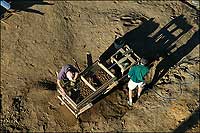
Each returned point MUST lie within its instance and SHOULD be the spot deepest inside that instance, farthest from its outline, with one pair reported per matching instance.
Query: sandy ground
(37, 42)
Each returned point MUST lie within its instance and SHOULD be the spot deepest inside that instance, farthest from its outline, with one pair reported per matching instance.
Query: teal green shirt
(138, 72)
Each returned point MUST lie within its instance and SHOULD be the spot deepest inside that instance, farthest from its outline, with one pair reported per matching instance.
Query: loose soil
(42, 37)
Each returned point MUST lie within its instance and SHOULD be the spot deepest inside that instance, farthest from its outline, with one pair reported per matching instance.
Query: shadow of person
(22, 5)
(131, 38)
(25, 5)
(172, 59)
(46, 84)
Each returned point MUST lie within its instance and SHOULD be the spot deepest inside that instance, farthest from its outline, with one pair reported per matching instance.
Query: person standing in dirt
(137, 75)
(67, 73)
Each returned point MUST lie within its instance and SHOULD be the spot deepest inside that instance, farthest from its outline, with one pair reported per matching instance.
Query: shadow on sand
(189, 123)
(131, 38)
(47, 84)
(172, 59)
(160, 44)
(151, 46)
(22, 5)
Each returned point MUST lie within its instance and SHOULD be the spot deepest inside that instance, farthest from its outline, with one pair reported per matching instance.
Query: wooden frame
(87, 102)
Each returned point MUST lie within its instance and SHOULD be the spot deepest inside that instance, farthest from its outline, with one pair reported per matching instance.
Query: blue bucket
(5, 4)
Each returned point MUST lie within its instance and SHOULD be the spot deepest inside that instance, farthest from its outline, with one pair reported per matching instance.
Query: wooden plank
(87, 83)
(121, 50)
(85, 108)
(136, 56)
(69, 100)
(122, 60)
(105, 69)
(110, 87)
(131, 59)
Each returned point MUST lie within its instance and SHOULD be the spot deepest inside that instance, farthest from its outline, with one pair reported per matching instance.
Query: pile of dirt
(43, 36)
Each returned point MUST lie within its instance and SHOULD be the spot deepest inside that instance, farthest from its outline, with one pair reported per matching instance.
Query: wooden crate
(97, 80)
(93, 82)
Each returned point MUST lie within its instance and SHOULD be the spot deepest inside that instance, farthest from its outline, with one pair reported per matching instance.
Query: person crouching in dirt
(66, 74)
(137, 74)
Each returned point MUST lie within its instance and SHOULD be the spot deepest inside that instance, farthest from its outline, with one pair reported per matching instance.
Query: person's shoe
(129, 103)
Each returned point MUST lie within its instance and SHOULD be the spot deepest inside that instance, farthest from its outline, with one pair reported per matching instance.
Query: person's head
(70, 75)
(143, 61)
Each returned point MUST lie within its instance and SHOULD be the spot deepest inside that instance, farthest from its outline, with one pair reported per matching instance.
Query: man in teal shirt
(136, 75)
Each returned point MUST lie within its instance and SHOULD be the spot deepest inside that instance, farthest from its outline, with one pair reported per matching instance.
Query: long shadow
(131, 38)
(170, 33)
(172, 59)
(159, 45)
(162, 42)
(151, 48)
(23, 5)
(189, 123)
(46, 84)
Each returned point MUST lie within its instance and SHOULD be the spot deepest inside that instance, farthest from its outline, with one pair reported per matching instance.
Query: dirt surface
(43, 36)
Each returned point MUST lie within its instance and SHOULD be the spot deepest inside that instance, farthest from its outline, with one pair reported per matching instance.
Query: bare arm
(76, 75)
(61, 88)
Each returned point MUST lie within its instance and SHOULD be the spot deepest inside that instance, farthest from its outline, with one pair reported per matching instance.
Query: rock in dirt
(115, 2)
(139, 2)
(128, 24)
(126, 18)
(116, 19)
(137, 21)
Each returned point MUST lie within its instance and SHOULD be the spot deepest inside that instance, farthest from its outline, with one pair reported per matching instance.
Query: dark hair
(144, 61)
